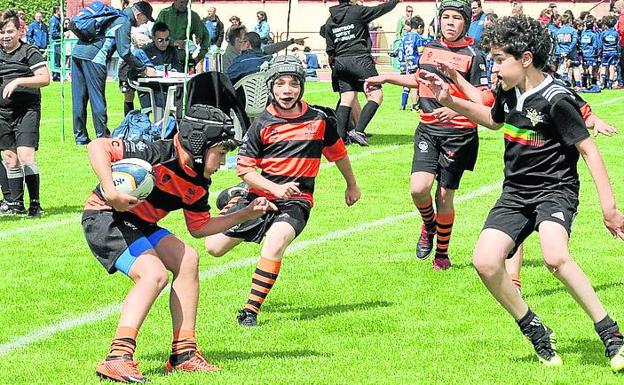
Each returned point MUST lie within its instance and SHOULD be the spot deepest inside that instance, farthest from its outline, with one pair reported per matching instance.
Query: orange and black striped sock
(427, 213)
(444, 229)
(262, 282)
(183, 342)
(124, 342)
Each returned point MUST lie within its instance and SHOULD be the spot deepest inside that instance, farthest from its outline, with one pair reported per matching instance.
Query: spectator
(569, 13)
(235, 37)
(262, 28)
(176, 17)
(23, 72)
(545, 17)
(516, 8)
(89, 69)
(37, 33)
(215, 27)
(250, 59)
(22, 25)
(158, 55)
(311, 63)
(235, 21)
(478, 18)
(553, 8)
(568, 58)
(400, 31)
(610, 47)
(55, 35)
(298, 54)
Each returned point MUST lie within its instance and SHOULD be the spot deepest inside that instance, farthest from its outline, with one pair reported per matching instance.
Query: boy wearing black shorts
(544, 136)
(445, 143)
(349, 44)
(22, 72)
(286, 142)
(124, 234)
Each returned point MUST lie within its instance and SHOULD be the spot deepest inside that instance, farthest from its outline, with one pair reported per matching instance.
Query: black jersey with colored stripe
(177, 186)
(289, 149)
(469, 61)
(541, 128)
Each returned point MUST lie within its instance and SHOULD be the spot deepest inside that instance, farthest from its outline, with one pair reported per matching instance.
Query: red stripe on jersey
(116, 149)
(433, 56)
(195, 220)
(307, 167)
(169, 182)
(245, 164)
(283, 132)
(148, 212)
(95, 203)
(586, 111)
(335, 152)
(459, 122)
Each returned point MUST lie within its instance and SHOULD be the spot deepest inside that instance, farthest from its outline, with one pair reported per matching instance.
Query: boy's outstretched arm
(396, 79)
(352, 193)
(473, 111)
(613, 218)
(221, 223)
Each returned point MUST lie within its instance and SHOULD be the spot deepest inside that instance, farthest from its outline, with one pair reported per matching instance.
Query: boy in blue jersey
(610, 49)
(568, 60)
(590, 46)
(410, 49)
(544, 137)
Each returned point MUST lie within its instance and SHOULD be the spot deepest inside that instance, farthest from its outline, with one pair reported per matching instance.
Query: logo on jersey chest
(534, 116)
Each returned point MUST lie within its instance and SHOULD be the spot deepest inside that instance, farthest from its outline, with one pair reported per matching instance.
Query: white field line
(75, 218)
(107, 311)
(610, 101)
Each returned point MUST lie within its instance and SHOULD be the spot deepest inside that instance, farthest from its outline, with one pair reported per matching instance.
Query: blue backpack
(91, 22)
(137, 127)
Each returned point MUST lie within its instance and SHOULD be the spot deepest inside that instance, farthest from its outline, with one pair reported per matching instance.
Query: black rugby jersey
(541, 128)
(470, 63)
(18, 64)
(177, 186)
(289, 149)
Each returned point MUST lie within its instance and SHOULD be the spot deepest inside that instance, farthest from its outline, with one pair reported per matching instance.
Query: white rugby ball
(133, 176)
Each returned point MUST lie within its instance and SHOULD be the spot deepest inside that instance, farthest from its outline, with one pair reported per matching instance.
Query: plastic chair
(256, 93)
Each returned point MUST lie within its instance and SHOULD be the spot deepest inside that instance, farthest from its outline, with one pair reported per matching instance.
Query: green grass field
(352, 304)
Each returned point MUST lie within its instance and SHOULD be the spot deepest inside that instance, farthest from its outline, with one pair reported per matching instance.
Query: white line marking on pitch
(105, 312)
(4, 235)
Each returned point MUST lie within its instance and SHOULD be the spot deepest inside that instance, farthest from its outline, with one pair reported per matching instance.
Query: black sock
(528, 321)
(369, 110)
(31, 177)
(15, 176)
(4, 182)
(128, 106)
(343, 114)
(605, 324)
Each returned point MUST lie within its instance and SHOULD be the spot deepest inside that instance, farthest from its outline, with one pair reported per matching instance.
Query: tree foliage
(30, 7)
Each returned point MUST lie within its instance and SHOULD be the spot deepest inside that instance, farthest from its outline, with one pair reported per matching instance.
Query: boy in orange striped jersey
(286, 142)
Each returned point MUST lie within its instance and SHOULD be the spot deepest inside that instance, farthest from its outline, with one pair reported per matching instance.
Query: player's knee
(214, 248)
(157, 277)
(419, 191)
(190, 261)
(485, 265)
(554, 262)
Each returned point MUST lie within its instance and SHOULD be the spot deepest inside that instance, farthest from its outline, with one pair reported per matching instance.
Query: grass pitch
(352, 304)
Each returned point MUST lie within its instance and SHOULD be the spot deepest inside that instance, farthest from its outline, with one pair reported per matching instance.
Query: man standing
(176, 18)
(349, 44)
(55, 34)
(409, 11)
(618, 7)
(37, 34)
(478, 19)
(215, 27)
(250, 59)
(89, 68)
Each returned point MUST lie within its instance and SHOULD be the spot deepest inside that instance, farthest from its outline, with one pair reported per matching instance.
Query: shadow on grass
(214, 356)
(385, 139)
(49, 212)
(310, 313)
(561, 288)
(590, 350)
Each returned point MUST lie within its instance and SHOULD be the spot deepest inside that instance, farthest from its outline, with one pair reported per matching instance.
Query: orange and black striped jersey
(288, 149)
(470, 63)
(177, 186)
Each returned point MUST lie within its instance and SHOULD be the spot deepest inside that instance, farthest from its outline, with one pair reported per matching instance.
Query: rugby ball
(133, 176)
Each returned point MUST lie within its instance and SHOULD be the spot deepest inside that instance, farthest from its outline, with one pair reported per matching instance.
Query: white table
(165, 85)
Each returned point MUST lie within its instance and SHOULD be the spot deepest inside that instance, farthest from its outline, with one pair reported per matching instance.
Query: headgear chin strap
(461, 6)
(284, 65)
(203, 127)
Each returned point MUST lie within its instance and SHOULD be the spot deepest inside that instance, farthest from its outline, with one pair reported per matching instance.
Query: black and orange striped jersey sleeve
(250, 151)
